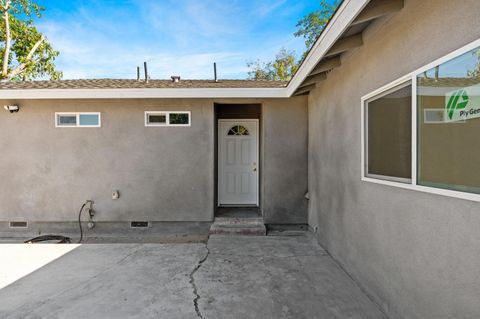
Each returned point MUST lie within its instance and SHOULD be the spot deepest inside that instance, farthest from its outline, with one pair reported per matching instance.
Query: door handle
(254, 167)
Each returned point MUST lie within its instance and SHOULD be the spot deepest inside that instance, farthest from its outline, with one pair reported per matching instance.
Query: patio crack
(194, 286)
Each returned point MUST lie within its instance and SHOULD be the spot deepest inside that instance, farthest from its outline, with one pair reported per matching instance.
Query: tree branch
(22, 65)
(8, 36)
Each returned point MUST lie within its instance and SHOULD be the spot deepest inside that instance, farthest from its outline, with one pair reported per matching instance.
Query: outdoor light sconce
(11, 108)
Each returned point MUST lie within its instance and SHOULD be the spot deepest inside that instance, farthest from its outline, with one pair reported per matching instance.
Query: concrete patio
(231, 277)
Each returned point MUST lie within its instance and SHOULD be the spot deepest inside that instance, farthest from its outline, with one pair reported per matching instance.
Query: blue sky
(108, 39)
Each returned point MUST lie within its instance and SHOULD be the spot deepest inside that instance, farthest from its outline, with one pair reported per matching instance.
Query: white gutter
(346, 13)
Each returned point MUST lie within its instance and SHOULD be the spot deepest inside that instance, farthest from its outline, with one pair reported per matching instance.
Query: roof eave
(344, 16)
(143, 93)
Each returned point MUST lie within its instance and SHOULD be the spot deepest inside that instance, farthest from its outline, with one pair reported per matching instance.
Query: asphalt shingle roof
(134, 84)
(449, 82)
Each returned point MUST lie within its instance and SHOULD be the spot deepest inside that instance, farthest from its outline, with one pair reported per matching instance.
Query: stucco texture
(162, 173)
(416, 254)
(284, 162)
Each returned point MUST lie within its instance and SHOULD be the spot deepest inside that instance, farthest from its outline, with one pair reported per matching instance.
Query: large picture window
(440, 152)
(448, 152)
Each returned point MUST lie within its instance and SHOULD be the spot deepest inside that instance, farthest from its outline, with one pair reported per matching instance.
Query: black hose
(80, 222)
(61, 239)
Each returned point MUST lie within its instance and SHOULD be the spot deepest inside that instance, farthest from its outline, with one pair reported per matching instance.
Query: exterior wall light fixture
(11, 108)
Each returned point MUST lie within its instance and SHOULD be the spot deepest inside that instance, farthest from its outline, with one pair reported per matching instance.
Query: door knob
(254, 167)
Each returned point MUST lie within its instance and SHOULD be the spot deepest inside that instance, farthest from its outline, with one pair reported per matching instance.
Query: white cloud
(268, 7)
(175, 37)
(84, 56)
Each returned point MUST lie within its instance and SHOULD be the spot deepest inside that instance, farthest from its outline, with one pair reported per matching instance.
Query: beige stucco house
(374, 144)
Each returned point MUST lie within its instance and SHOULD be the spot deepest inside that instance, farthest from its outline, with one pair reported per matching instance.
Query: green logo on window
(458, 101)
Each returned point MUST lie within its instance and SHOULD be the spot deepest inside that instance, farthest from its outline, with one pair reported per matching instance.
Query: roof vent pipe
(146, 71)
(138, 73)
(215, 71)
(175, 78)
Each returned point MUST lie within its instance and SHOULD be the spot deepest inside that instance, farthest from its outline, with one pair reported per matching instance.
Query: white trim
(412, 76)
(143, 93)
(167, 118)
(77, 124)
(257, 195)
(414, 130)
(385, 90)
(390, 178)
(426, 189)
(147, 113)
(362, 137)
(388, 86)
(341, 20)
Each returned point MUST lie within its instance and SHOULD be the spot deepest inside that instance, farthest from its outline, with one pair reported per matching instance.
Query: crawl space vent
(18, 224)
(138, 224)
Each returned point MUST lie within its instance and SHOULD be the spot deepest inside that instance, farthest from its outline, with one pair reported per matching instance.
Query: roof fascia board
(143, 93)
(346, 14)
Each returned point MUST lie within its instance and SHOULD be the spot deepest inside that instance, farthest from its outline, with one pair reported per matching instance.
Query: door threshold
(239, 206)
(239, 212)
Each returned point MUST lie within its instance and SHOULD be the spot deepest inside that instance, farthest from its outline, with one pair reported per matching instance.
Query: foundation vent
(139, 224)
(18, 224)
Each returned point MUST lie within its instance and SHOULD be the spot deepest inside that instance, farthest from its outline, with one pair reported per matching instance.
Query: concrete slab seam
(271, 257)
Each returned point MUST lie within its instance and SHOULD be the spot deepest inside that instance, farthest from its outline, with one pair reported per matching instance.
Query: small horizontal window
(66, 120)
(77, 119)
(179, 119)
(89, 120)
(157, 119)
(170, 118)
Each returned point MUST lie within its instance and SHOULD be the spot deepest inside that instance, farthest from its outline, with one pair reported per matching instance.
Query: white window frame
(412, 77)
(167, 118)
(374, 97)
(77, 114)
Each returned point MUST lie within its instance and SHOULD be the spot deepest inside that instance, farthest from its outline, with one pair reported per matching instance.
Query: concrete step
(238, 221)
(238, 226)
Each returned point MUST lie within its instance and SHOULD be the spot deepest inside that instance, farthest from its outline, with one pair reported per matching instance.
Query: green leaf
(24, 35)
(281, 69)
(311, 26)
(285, 64)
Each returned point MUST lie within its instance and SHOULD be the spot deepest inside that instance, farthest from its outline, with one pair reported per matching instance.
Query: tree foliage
(24, 51)
(475, 72)
(311, 26)
(286, 64)
(281, 69)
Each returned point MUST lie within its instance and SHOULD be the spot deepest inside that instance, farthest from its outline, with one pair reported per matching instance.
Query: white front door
(238, 162)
